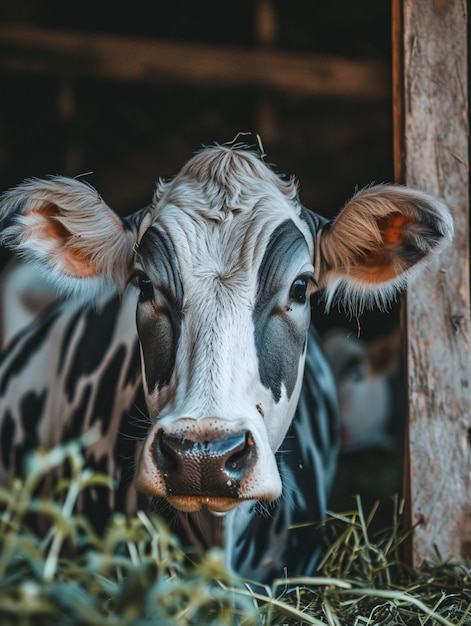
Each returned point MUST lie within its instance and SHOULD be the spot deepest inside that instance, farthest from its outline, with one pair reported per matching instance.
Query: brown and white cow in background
(222, 264)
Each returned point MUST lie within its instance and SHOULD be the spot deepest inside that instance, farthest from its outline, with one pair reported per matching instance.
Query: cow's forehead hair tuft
(220, 212)
(219, 182)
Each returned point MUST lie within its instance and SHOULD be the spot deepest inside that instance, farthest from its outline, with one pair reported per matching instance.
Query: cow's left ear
(73, 238)
(380, 237)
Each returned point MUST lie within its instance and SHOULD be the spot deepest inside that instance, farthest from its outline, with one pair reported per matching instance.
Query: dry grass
(136, 572)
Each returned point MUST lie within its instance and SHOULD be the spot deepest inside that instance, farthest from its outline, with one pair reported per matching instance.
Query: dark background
(129, 135)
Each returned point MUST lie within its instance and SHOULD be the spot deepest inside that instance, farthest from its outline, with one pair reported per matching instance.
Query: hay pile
(136, 573)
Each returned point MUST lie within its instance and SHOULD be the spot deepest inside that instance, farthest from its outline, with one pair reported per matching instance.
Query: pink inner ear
(48, 228)
(378, 264)
(393, 228)
(78, 264)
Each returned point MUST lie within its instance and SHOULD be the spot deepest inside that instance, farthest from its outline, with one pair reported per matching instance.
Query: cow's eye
(299, 289)
(144, 283)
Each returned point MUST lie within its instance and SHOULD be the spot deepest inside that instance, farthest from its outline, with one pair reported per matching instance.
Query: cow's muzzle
(204, 473)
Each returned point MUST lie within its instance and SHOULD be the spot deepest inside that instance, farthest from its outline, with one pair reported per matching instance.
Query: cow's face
(225, 259)
(222, 318)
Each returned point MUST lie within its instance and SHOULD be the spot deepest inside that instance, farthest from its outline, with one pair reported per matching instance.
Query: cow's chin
(193, 504)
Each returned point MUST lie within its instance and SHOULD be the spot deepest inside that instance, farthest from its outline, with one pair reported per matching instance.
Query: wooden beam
(431, 147)
(25, 49)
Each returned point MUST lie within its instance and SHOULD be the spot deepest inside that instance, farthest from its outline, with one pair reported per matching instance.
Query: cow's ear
(65, 228)
(382, 235)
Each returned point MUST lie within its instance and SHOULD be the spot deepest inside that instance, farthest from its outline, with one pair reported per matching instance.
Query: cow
(368, 379)
(183, 331)
(25, 295)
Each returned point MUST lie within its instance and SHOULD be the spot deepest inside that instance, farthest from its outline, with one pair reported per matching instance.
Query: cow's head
(225, 259)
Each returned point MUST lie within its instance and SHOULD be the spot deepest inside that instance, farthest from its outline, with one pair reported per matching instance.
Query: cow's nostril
(239, 458)
(166, 454)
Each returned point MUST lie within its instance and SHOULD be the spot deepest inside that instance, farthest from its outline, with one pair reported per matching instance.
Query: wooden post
(431, 153)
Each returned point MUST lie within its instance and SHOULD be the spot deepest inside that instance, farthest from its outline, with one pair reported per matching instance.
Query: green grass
(136, 573)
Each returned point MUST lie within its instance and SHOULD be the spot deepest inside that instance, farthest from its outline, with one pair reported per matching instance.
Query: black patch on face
(7, 435)
(106, 391)
(159, 327)
(278, 340)
(93, 345)
(31, 345)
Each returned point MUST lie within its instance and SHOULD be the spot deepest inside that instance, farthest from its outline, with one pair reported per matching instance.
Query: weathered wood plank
(432, 153)
(26, 49)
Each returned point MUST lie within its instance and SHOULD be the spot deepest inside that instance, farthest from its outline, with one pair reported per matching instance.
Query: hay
(378, 587)
(136, 573)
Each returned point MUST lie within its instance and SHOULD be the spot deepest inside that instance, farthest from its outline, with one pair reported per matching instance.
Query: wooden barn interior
(123, 94)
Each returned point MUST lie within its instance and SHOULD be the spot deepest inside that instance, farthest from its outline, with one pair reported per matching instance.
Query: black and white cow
(221, 266)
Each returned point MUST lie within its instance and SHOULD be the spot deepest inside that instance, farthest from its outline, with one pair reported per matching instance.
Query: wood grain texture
(26, 49)
(431, 147)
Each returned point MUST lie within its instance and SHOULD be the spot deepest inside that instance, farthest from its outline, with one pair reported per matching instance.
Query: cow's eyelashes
(300, 289)
(144, 283)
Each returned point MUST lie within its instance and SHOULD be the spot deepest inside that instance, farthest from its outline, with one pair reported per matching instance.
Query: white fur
(220, 237)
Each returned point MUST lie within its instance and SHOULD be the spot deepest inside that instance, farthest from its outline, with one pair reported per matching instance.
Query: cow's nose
(209, 467)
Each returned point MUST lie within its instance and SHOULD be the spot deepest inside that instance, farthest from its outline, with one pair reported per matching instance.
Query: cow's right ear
(383, 234)
(73, 238)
